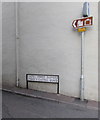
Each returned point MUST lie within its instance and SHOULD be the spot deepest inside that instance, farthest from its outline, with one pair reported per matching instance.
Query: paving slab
(52, 96)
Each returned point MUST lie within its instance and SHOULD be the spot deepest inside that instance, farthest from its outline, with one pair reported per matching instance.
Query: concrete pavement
(18, 106)
(52, 96)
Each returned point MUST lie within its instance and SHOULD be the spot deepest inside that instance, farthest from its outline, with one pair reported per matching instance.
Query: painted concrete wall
(0, 60)
(0, 45)
(49, 45)
(8, 44)
(98, 47)
(91, 56)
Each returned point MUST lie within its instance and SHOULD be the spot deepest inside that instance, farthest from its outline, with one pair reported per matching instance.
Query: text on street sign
(83, 22)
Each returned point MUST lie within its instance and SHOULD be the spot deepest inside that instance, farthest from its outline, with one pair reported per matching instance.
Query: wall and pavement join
(49, 45)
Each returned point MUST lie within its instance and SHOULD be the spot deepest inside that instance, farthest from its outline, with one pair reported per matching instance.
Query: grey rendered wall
(0, 60)
(49, 45)
(91, 56)
(8, 44)
(45, 42)
(0, 45)
(98, 45)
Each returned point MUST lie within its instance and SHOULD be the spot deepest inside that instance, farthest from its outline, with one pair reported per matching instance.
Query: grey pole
(17, 49)
(82, 67)
(86, 13)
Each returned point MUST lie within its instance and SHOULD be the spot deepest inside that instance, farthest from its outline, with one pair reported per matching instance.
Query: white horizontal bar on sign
(43, 78)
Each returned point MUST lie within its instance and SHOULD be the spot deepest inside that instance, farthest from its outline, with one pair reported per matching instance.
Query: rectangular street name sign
(83, 22)
(43, 78)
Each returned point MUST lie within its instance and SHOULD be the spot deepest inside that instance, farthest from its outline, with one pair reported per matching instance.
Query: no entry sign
(83, 22)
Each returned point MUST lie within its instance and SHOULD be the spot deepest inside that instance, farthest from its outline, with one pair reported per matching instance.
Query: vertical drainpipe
(17, 45)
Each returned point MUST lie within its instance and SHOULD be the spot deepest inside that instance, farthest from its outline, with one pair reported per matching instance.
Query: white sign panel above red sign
(83, 22)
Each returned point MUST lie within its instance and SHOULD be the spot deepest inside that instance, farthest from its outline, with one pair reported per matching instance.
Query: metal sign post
(82, 68)
(80, 25)
(86, 13)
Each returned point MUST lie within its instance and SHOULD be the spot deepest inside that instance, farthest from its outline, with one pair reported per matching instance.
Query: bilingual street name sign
(83, 22)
